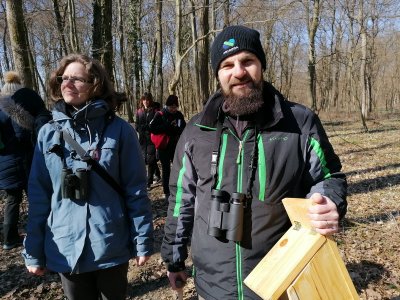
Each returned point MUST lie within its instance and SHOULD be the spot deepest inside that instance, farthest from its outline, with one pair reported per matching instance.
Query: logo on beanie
(228, 44)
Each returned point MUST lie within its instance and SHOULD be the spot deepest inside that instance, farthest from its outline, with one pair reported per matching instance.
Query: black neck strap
(253, 165)
(216, 152)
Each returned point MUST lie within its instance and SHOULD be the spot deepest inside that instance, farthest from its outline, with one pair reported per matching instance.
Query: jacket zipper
(239, 156)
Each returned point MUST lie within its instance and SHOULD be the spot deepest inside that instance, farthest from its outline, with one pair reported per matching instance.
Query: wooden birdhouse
(303, 264)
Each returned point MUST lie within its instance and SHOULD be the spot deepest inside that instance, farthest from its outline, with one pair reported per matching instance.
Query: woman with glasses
(80, 224)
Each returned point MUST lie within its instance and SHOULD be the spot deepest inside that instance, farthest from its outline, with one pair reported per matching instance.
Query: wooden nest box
(303, 264)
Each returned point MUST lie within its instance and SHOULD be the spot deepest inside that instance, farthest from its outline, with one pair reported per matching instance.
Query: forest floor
(369, 241)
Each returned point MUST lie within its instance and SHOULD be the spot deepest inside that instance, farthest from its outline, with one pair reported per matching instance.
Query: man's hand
(177, 279)
(141, 260)
(324, 215)
(38, 271)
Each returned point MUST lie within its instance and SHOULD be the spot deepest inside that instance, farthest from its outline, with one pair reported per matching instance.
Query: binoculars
(74, 185)
(226, 215)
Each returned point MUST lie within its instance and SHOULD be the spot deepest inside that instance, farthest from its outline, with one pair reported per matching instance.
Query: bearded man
(235, 161)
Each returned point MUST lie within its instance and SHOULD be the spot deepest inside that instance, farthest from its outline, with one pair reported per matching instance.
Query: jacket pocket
(109, 153)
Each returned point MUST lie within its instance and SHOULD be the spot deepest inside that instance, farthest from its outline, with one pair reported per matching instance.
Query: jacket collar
(269, 115)
(93, 110)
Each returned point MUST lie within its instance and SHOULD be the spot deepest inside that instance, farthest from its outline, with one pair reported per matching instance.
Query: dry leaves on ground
(369, 242)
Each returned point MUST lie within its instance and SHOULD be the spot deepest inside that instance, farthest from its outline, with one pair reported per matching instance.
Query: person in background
(246, 151)
(171, 122)
(80, 225)
(144, 115)
(22, 114)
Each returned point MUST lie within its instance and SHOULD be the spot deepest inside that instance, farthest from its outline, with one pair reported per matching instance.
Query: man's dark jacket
(295, 159)
(143, 119)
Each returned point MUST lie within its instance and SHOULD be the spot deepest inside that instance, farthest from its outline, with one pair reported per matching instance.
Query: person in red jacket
(171, 122)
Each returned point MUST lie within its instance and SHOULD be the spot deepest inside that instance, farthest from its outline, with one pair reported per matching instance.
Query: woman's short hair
(101, 88)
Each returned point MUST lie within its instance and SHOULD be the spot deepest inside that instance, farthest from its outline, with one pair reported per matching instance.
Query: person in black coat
(170, 121)
(236, 160)
(144, 115)
(21, 117)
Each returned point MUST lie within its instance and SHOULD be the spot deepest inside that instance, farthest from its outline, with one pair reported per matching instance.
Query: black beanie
(172, 100)
(234, 39)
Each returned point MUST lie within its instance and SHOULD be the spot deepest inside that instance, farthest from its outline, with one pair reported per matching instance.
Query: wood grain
(303, 264)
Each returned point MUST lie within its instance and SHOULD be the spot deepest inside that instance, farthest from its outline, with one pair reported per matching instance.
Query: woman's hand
(38, 271)
(141, 260)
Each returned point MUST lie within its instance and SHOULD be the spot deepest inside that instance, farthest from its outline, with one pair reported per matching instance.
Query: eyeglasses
(73, 80)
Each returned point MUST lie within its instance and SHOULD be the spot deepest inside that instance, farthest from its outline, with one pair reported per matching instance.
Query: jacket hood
(17, 112)
(266, 117)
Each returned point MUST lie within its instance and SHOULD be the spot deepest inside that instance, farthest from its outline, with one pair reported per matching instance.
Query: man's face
(241, 80)
(172, 109)
(240, 73)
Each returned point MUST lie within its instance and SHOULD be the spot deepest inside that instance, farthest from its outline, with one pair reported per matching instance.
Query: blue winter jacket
(16, 126)
(77, 236)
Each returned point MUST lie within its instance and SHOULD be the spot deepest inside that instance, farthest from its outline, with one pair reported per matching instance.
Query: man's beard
(241, 105)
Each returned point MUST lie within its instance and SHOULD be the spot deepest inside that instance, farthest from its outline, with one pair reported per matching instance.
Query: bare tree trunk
(312, 26)
(134, 39)
(5, 50)
(32, 62)
(363, 66)
(159, 55)
(336, 66)
(196, 72)
(97, 34)
(204, 46)
(226, 5)
(138, 53)
(152, 66)
(372, 68)
(286, 51)
(213, 85)
(126, 82)
(73, 35)
(7, 62)
(108, 53)
(102, 47)
(60, 27)
(38, 78)
(352, 90)
(33, 66)
(268, 49)
(331, 63)
(19, 42)
(178, 57)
